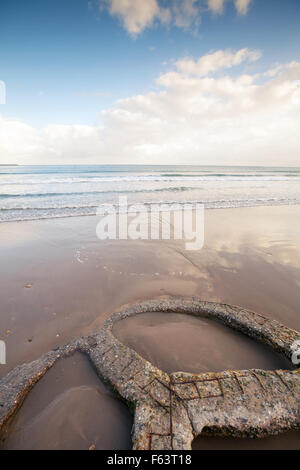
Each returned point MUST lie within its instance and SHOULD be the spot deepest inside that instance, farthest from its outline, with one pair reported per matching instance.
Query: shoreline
(276, 204)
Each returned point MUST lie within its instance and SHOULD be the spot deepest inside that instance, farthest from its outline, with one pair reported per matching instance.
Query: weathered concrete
(170, 410)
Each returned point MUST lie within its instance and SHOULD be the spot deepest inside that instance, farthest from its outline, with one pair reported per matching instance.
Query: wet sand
(70, 408)
(251, 258)
(58, 281)
(175, 342)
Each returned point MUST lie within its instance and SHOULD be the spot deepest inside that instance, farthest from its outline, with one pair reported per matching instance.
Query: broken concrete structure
(170, 410)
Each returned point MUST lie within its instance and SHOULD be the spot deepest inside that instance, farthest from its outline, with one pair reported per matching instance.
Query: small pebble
(92, 447)
(28, 286)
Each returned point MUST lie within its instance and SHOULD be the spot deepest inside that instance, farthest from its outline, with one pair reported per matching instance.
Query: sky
(150, 81)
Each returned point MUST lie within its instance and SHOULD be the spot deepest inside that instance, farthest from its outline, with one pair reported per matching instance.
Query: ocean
(49, 191)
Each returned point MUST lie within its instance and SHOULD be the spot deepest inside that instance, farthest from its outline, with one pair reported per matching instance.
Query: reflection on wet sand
(251, 258)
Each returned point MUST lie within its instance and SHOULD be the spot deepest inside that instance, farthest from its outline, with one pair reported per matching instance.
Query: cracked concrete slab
(170, 410)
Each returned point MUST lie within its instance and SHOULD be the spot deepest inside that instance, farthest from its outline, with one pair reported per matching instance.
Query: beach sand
(58, 281)
(70, 408)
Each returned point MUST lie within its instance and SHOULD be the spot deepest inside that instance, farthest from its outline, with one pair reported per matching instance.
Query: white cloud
(186, 13)
(22, 143)
(217, 60)
(197, 117)
(137, 15)
(216, 5)
(242, 6)
(18, 141)
(274, 71)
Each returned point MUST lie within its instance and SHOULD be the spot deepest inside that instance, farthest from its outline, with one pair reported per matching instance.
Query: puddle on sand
(70, 408)
(176, 342)
(285, 441)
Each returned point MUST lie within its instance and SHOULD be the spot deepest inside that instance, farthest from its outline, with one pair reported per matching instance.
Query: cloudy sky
(150, 81)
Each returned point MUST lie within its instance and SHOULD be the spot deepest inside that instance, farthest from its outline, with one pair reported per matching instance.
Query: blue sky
(57, 58)
(63, 62)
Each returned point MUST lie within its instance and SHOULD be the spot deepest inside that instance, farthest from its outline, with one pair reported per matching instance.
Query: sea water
(49, 191)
